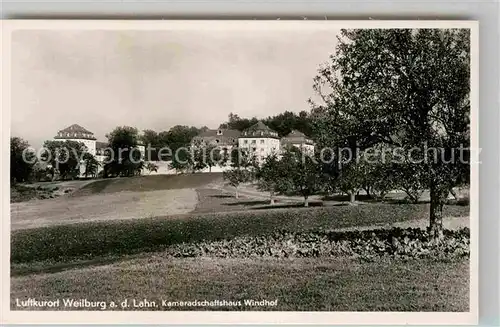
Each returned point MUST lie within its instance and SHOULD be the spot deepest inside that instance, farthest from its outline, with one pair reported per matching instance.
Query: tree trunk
(272, 198)
(306, 201)
(236, 190)
(352, 197)
(438, 195)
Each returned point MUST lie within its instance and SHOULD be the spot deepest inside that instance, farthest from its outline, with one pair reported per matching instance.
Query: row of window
(259, 133)
(253, 141)
(74, 135)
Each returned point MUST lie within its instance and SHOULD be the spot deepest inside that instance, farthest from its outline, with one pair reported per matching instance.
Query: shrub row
(396, 242)
(89, 240)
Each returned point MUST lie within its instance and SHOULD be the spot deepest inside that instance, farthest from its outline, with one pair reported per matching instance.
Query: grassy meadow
(112, 259)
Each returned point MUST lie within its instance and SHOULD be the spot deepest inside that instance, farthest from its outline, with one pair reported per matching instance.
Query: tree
(303, 173)
(151, 140)
(404, 88)
(124, 155)
(182, 161)
(208, 156)
(150, 166)
(243, 169)
(64, 157)
(237, 123)
(22, 160)
(91, 165)
(272, 176)
(235, 177)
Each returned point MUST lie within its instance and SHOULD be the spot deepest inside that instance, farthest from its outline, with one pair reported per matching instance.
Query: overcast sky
(158, 79)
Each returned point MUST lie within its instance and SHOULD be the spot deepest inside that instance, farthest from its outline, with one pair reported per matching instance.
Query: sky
(157, 79)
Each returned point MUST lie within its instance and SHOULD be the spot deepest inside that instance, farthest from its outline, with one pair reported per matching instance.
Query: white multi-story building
(299, 140)
(260, 141)
(77, 133)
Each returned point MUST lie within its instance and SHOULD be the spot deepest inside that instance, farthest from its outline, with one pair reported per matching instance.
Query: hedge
(369, 244)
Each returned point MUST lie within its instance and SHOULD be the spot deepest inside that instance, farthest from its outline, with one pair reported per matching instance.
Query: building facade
(260, 141)
(98, 149)
(77, 133)
(224, 138)
(299, 140)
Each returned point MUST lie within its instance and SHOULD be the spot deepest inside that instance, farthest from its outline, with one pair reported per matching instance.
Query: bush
(396, 242)
(93, 239)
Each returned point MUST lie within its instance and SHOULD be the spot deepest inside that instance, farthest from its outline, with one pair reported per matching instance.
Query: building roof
(75, 131)
(220, 132)
(259, 129)
(295, 137)
(218, 136)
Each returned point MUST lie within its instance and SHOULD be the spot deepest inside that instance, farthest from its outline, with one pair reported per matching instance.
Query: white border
(217, 317)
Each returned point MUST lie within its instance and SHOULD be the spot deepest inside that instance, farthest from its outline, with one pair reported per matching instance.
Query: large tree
(124, 157)
(302, 173)
(22, 160)
(407, 88)
(64, 157)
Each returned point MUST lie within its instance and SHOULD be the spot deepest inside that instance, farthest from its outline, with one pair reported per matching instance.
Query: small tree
(150, 166)
(182, 161)
(243, 169)
(272, 176)
(235, 177)
(91, 165)
(304, 173)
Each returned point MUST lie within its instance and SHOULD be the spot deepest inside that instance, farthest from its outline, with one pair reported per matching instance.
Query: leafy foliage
(303, 175)
(21, 166)
(91, 165)
(64, 157)
(404, 88)
(150, 166)
(124, 157)
(369, 244)
(272, 176)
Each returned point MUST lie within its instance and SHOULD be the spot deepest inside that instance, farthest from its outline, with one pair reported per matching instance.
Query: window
(245, 142)
(254, 149)
(254, 141)
(261, 149)
(261, 141)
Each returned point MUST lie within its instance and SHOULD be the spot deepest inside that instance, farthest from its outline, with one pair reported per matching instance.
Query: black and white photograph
(194, 168)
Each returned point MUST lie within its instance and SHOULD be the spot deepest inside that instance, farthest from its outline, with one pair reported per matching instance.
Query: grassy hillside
(148, 183)
(90, 240)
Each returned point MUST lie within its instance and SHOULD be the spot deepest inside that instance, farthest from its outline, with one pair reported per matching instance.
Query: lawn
(102, 207)
(149, 183)
(303, 284)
